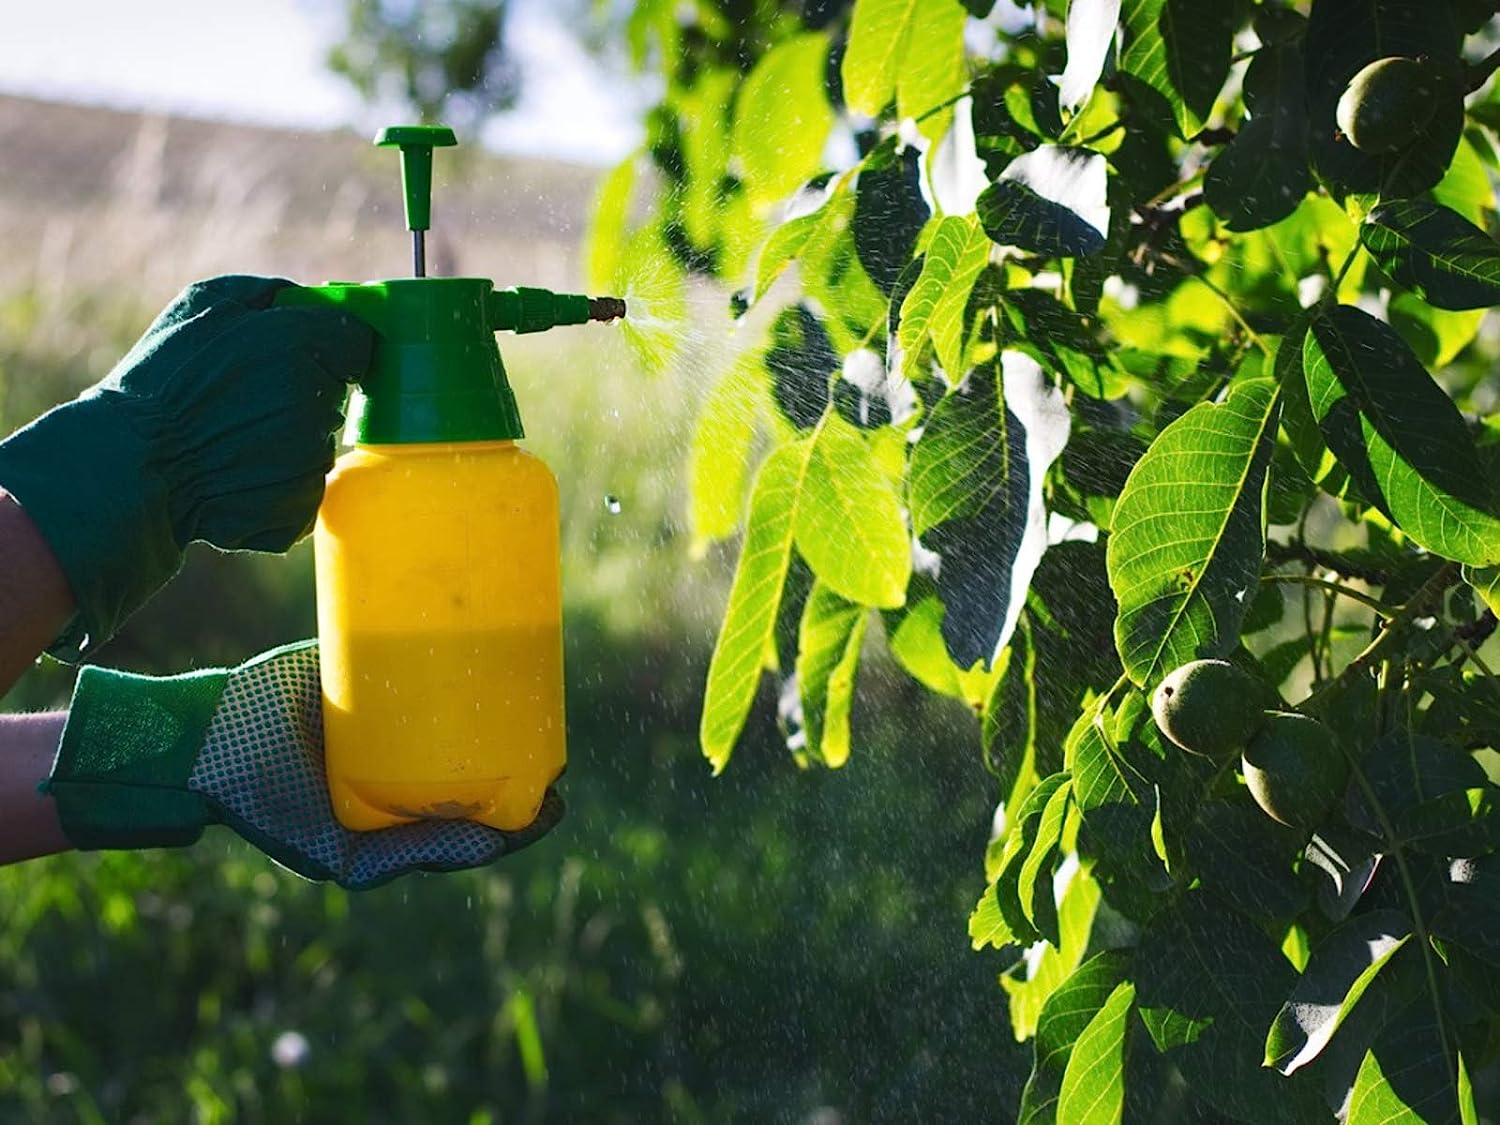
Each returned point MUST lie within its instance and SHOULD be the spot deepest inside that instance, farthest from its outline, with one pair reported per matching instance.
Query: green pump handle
(416, 143)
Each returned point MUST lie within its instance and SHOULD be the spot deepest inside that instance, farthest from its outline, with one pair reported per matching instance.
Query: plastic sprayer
(439, 595)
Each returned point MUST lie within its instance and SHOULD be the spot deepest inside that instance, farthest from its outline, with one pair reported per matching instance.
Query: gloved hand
(150, 761)
(217, 426)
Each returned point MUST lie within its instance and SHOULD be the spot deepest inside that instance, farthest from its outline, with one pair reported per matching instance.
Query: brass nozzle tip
(606, 308)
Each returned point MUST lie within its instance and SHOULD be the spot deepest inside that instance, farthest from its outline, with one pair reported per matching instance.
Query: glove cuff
(120, 777)
(84, 477)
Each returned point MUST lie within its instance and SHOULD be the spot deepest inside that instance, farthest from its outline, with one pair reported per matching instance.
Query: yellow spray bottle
(439, 595)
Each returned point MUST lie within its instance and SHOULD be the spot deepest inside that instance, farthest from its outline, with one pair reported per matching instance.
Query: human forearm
(35, 602)
(28, 819)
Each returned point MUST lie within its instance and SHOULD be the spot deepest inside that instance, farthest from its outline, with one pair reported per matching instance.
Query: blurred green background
(767, 946)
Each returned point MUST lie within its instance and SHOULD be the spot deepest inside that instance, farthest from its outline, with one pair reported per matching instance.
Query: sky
(262, 62)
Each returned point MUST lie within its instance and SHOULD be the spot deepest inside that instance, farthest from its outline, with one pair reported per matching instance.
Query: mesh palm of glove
(217, 425)
(150, 761)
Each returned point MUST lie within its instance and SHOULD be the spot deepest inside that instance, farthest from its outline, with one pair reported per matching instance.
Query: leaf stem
(1303, 552)
(1172, 190)
(1333, 289)
(946, 103)
(1112, 127)
(1395, 627)
(1409, 886)
(1313, 652)
(1255, 337)
(1339, 588)
(1471, 654)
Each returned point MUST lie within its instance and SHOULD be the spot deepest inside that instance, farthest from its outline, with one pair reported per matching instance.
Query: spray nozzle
(526, 309)
(416, 143)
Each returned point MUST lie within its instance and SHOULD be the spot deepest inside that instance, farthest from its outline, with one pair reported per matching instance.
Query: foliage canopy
(1086, 345)
(1107, 352)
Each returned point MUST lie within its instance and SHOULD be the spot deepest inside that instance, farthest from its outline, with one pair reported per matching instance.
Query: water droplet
(612, 504)
(290, 1049)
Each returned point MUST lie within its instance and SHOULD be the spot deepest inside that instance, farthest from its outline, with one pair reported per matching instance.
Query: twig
(1302, 552)
(1339, 588)
(1479, 630)
(1394, 629)
(1408, 884)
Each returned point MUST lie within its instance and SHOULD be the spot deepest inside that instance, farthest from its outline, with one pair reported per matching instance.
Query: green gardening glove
(216, 426)
(150, 761)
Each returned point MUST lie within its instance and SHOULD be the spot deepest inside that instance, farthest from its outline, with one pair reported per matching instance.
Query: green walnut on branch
(1294, 769)
(1212, 707)
(1389, 102)
(1291, 762)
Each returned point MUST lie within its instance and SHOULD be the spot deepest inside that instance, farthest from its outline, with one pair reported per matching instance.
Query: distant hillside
(92, 196)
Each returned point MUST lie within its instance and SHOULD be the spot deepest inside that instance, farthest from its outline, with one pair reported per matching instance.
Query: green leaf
(720, 452)
(975, 494)
(782, 118)
(1207, 987)
(935, 306)
(1188, 534)
(911, 50)
(1115, 797)
(1009, 105)
(1404, 770)
(1400, 437)
(1458, 823)
(1180, 49)
(1435, 252)
(787, 242)
(963, 461)
(889, 214)
(1093, 1086)
(1090, 29)
(1247, 858)
(828, 644)
(1342, 37)
(1435, 336)
(1470, 919)
(1050, 201)
(1063, 341)
(1068, 1011)
(1297, 421)
(1465, 187)
(1058, 654)
(848, 523)
(801, 362)
(607, 231)
(914, 637)
(877, 33)
(1407, 1077)
(1344, 862)
(1001, 918)
(932, 69)
(1434, 797)
(1486, 583)
(1008, 724)
(706, 151)
(1261, 175)
(1341, 968)
(747, 634)
(1028, 997)
(1034, 882)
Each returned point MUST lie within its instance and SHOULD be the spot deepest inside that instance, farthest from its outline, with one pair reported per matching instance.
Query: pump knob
(416, 143)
